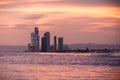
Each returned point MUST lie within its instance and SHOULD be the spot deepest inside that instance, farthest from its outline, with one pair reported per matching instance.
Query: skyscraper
(46, 42)
(43, 44)
(36, 30)
(34, 45)
(37, 38)
(60, 44)
(55, 43)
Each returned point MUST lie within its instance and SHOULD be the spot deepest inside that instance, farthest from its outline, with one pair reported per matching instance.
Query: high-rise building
(37, 38)
(43, 44)
(36, 30)
(47, 39)
(55, 43)
(34, 46)
(60, 44)
(46, 42)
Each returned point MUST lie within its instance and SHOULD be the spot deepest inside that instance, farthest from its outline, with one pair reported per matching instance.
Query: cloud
(85, 24)
(19, 20)
(22, 26)
(66, 18)
(3, 26)
(115, 28)
(34, 16)
(112, 28)
(47, 24)
(19, 3)
(41, 15)
(93, 2)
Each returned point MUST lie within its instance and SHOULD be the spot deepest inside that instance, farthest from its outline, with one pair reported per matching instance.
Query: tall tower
(46, 42)
(43, 44)
(60, 44)
(55, 43)
(36, 31)
(35, 40)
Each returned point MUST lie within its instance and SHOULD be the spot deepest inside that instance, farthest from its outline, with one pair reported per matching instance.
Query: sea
(15, 64)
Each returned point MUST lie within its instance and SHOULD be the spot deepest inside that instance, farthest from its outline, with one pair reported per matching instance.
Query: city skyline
(78, 21)
(34, 45)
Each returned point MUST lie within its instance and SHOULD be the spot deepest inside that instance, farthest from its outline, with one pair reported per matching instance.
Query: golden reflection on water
(59, 66)
(58, 72)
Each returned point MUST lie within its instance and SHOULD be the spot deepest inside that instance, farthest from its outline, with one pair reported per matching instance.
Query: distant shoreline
(85, 51)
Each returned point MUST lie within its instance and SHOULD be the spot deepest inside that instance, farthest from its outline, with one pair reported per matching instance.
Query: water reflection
(56, 66)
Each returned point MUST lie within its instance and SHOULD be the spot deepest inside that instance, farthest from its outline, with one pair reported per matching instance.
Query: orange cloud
(59, 16)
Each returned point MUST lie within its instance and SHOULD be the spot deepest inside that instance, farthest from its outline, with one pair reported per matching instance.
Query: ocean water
(59, 66)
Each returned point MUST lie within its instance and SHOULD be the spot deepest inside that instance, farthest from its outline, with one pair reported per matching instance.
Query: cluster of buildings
(34, 46)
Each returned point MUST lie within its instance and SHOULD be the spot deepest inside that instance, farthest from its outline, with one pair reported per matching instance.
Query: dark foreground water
(59, 66)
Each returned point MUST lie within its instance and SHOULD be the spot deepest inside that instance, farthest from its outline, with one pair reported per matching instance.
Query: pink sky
(78, 21)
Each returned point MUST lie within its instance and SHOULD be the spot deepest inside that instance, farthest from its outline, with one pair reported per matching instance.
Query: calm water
(59, 66)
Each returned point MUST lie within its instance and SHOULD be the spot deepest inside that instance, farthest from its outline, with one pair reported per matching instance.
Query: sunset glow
(90, 21)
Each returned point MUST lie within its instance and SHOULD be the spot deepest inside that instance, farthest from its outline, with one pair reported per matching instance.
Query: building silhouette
(55, 43)
(45, 41)
(34, 45)
(60, 44)
(43, 44)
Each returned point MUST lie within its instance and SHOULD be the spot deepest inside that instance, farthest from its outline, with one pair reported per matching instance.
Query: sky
(77, 21)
